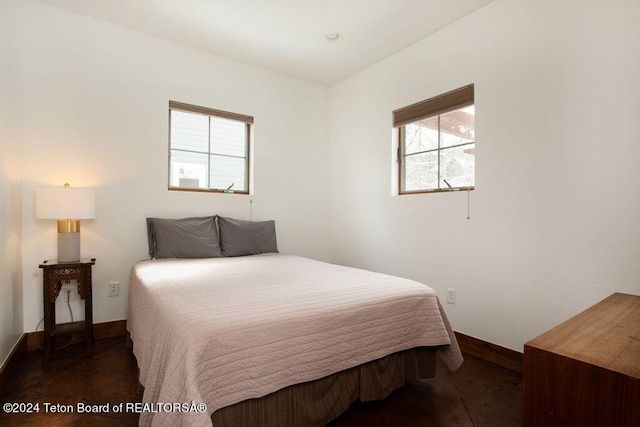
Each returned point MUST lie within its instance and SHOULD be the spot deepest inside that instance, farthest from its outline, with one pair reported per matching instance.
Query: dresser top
(606, 335)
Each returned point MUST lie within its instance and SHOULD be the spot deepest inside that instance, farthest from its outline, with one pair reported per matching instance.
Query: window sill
(440, 190)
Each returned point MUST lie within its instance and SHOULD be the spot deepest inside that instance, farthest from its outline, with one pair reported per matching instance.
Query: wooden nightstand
(54, 275)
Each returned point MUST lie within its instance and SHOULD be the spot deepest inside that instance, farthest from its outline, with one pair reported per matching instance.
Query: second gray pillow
(239, 237)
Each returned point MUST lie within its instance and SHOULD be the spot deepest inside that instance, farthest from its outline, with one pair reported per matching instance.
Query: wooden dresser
(586, 371)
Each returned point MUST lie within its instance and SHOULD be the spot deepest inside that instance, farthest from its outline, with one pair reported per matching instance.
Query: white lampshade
(65, 203)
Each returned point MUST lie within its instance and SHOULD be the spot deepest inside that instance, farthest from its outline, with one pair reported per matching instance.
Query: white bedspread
(222, 330)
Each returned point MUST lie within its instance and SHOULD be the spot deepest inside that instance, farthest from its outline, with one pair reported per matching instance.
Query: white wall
(95, 110)
(555, 217)
(11, 325)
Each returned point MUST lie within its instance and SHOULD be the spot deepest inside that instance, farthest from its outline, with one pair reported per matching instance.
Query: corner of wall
(11, 286)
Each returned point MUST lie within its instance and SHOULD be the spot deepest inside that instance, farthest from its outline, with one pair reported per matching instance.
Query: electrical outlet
(451, 296)
(114, 289)
(69, 296)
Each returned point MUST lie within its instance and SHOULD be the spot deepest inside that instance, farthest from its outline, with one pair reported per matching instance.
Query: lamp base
(69, 247)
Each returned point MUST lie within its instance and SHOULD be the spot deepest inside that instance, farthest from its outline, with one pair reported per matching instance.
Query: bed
(277, 339)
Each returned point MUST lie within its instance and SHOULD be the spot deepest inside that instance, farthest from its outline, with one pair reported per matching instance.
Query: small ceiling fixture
(334, 37)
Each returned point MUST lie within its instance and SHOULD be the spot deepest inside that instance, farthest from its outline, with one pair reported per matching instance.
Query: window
(208, 149)
(436, 150)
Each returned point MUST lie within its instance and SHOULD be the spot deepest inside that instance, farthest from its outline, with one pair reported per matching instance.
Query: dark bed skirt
(315, 403)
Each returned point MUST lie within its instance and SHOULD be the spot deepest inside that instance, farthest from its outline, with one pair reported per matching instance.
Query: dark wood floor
(478, 394)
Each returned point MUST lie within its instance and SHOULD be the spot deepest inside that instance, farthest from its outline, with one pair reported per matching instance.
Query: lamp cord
(42, 320)
(69, 305)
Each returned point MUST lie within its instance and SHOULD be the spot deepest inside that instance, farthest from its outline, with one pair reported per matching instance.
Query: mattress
(220, 331)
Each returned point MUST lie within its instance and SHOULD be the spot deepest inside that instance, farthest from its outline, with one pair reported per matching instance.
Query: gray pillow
(183, 238)
(239, 237)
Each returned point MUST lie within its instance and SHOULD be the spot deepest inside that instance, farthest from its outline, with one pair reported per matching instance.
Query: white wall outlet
(114, 289)
(73, 295)
(451, 296)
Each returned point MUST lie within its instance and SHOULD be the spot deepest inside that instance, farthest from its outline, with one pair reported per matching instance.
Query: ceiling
(288, 36)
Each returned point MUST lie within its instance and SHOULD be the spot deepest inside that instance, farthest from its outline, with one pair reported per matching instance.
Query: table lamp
(68, 206)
